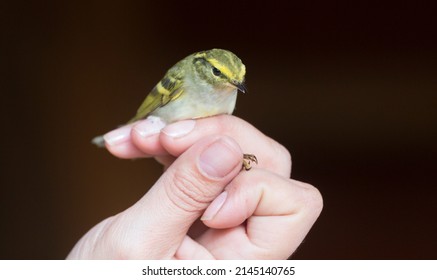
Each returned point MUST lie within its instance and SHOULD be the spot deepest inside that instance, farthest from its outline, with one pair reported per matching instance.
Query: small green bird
(201, 85)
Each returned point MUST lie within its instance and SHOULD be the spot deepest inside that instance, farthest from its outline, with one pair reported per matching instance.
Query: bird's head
(220, 68)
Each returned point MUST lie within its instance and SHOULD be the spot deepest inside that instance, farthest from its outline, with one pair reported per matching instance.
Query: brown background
(349, 89)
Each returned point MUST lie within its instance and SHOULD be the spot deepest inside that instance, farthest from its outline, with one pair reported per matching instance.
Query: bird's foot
(247, 161)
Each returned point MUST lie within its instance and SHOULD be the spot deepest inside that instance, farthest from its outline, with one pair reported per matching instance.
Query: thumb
(164, 215)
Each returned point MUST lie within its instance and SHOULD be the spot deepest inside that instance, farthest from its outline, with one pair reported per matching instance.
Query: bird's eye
(216, 72)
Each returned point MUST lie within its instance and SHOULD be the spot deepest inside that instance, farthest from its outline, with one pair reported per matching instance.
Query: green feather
(172, 84)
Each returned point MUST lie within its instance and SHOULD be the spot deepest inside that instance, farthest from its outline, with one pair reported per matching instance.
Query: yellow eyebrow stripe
(225, 70)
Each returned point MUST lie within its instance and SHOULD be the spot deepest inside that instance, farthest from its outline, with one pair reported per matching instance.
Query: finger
(145, 136)
(157, 224)
(122, 142)
(279, 212)
(165, 160)
(177, 137)
(118, 142)
(191, 250)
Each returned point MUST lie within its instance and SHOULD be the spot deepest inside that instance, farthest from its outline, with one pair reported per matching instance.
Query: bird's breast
(195, 103)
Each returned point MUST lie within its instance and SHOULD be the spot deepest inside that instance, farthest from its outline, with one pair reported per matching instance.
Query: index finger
(178, 137)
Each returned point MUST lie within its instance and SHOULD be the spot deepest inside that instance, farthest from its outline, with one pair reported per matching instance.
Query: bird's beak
(240, 86)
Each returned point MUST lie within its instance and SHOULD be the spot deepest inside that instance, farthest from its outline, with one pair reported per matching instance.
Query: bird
(201, 85)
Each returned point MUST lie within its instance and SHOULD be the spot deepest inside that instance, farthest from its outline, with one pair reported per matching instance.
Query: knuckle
(281, 157)
(227, 123)
(188, 192)
(313, 198)
(284, 154)
(232, 125)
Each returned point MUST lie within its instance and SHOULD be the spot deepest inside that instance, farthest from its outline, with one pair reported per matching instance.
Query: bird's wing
(168, 89)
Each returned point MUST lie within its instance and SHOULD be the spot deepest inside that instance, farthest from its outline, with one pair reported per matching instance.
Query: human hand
(260, 214)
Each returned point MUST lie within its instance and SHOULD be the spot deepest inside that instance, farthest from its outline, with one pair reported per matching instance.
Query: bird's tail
(99, 141)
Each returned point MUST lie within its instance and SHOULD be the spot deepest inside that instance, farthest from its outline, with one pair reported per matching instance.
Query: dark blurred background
(349, 87)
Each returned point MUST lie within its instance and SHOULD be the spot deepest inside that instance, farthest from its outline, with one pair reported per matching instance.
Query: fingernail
(220, 158)
(179, 129)
(150, 126)
(118, 136)
(214, 207)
